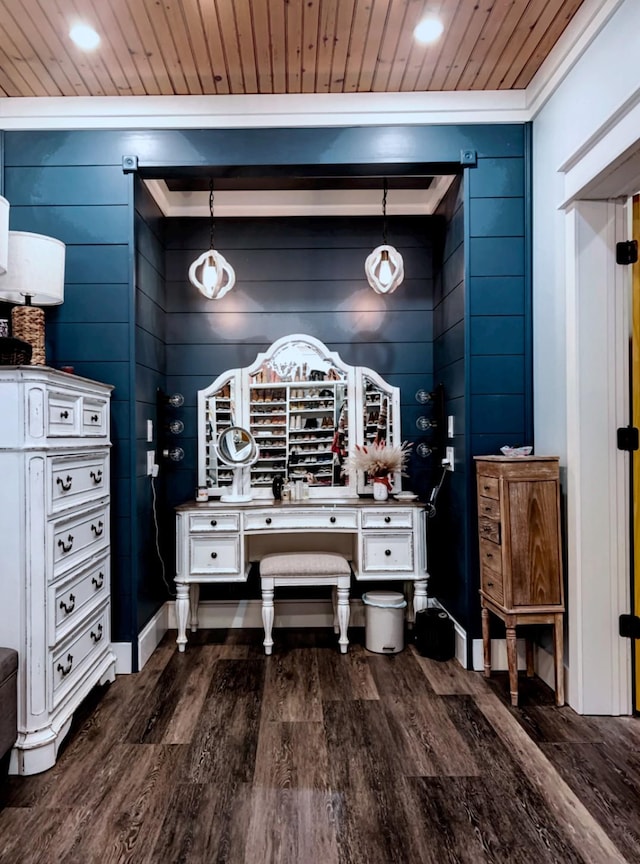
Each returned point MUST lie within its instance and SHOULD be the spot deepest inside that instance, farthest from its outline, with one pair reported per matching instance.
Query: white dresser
(54, 535)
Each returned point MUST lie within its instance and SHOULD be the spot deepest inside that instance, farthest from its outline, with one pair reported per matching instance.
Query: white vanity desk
(217, 542)
(299, 411)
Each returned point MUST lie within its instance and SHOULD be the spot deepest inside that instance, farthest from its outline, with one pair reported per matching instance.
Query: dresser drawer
(95, 417)
(74, 480)
(215, 556)
(71, 598)
(491, 555)
(387, 553)
(302, 519)
(489, 507)
(75, 539)
(374, 519)
(213, 522)
(492, 584)
(489, 487)
(63, 414)
(489, 529)
(72, 659)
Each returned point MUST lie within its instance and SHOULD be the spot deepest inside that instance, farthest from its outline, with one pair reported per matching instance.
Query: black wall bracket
(628, 438)
(629, 626)
(627, 252)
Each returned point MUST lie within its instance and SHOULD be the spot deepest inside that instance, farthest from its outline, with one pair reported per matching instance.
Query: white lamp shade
(35, 268)
(4, 234)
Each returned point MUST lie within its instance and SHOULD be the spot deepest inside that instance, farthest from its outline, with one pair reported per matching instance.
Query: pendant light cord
(384, 211)
(211, 223)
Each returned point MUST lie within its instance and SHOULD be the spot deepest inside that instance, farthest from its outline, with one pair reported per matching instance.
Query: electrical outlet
(149, 431)
(151, 461)
(450, 426)
(450, 458)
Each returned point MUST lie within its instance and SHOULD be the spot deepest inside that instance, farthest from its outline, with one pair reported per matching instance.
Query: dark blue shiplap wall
(298, 275)
(153, 523)
(447, 530)
(71, 185)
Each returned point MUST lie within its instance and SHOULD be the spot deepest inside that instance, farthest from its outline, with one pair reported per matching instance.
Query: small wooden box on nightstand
(520, 554)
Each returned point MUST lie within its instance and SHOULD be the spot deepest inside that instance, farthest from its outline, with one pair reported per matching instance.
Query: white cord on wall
(153, 476)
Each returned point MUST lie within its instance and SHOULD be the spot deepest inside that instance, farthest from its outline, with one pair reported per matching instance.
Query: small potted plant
(380, 461)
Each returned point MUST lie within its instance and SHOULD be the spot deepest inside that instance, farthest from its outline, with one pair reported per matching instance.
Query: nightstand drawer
(489, 486)
(492, 584)
(489, 529)
(387, 553)
(489, 507)
(491, 555)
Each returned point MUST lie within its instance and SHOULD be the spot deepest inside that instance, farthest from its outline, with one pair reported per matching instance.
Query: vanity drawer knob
(387, 552)
(64, 415)
(332, 519)
(214, 554)
(268, 520)
(387, 519)
(94, 418)
(213, 523)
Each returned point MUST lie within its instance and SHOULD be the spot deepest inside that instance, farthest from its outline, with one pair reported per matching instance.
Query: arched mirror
(236, 447)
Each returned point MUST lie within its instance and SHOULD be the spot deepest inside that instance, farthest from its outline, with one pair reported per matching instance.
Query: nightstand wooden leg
(512, 661)
(529, 648)
(558, 647)
(486, 642)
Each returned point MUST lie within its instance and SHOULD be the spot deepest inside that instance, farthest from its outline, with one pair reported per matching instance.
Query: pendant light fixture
(211, 273)
(384, 267)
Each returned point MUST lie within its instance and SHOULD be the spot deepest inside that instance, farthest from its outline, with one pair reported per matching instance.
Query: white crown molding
(263, 111)
(583, 28)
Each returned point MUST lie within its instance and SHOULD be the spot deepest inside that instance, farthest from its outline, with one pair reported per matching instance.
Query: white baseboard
(150, 637)
(122, 651)
(248, 613)
(461, 634)
(498, 655)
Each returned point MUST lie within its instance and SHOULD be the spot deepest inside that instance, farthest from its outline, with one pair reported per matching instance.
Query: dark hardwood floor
(221, 754)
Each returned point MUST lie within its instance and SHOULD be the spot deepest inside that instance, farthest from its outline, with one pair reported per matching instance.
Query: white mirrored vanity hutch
(307, 411)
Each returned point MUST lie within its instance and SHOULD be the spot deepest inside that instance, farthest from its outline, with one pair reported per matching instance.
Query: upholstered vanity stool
(306, 568)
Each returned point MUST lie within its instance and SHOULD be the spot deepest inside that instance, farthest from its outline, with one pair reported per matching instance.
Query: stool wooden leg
(486, 642)
(343, 618)
(558, 643)
(512, 662)
(182, 610)
(267, 618)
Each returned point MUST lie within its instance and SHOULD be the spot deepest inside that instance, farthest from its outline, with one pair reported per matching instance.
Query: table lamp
(4, 234)
(34, 278)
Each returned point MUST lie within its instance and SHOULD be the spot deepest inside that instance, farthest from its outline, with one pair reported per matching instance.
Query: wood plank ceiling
(180, 47)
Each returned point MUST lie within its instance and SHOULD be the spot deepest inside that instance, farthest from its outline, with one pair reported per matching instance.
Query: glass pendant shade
(384, 269)
(212, 275)
(4, 234)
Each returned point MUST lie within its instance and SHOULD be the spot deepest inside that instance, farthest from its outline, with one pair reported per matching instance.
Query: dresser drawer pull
(96, 476)
(268, 520)
(387, 519)
(64, 415)
(66, 547)
(213, 523)
(332, 519)
(97, 529)
(214, 554)
(387, 552)
(94, 418)
(489, 555)
(64, 670)
(489, 584)
(97, 636)
(72, 605)
(487, 508)
(486, 488)
(98, 582)
(65, 484)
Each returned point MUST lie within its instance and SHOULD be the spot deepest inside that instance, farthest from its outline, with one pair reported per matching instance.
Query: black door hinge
(627, 252)
(629, 626)
(628, 438)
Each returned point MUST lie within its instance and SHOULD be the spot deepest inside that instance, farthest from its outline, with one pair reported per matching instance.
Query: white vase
(380, 490)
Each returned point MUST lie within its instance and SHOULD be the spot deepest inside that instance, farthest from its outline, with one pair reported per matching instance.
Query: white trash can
(384, 621)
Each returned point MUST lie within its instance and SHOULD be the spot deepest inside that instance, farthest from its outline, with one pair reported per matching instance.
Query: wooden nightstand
(520, 554)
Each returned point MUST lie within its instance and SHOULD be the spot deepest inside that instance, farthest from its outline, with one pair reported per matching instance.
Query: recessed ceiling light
(428, 30)
(84, 36)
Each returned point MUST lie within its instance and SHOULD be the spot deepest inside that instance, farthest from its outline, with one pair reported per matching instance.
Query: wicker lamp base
(27, 323)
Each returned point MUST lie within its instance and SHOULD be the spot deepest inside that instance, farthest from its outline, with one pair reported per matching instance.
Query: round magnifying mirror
(237, 448)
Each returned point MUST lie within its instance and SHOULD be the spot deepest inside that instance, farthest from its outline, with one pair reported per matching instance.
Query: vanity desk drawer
(301, 519)
(206, 523)
(387, 553)
(376, 519)
(215, 556)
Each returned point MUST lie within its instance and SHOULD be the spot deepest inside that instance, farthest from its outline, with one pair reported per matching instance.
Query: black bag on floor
(435, 634)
